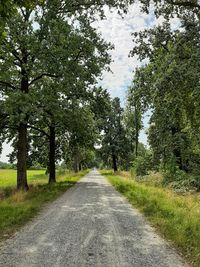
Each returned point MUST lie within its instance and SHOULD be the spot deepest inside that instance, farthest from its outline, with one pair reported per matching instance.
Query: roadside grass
(19, 207)
(176, 217)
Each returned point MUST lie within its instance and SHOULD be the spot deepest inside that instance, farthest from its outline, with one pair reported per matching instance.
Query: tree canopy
(52, 109)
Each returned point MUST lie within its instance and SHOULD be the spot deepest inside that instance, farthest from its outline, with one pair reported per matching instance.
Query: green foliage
(7, 166)
(114, 143)
(142, 164)
(179, 180)
(176, 217)
(51, 58)
(171, 172)
(132, 120)
(168, 86)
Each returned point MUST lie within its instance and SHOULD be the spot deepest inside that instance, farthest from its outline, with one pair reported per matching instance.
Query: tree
(133, 115)
(114, 141)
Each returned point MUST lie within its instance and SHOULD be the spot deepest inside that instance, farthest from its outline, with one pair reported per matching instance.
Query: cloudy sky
(117, 30)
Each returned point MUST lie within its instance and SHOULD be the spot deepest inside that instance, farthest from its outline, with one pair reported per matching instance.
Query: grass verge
(176, 217)
(19, 207)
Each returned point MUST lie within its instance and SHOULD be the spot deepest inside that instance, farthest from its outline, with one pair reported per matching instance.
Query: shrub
(142, 165)
(179, 179)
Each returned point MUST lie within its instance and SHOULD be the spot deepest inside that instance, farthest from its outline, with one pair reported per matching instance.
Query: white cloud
(117, 30)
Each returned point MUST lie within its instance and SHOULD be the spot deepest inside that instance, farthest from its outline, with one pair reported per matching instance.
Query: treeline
(7, 165)
(50, 107)
(120, 144)
(167, 87)
(50, 61)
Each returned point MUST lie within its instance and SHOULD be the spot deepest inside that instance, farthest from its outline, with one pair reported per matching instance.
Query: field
(8, 177)
(176, 217)
(16, 208)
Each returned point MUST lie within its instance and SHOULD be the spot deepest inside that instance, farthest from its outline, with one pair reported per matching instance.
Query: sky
(117, 30)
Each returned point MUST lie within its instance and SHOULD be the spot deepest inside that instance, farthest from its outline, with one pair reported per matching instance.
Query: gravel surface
(90, 225)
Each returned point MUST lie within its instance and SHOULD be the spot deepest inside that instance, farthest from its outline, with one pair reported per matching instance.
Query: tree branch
(79, 7)
(39, 130)
(41, 76)
(77, 56)
(16, 55)
(9, 127)
(188, 4)
(8, 84)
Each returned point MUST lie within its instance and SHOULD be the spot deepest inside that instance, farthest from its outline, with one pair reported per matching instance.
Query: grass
(16, 208)
(176, 217)
(8, 177)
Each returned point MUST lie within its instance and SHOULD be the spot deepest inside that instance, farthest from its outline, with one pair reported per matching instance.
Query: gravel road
(90, 225)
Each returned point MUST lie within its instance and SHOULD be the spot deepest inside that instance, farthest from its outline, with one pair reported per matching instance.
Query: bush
(179, 179)
(5, 166)
(142, 165)
(61, 171)
(36, 166)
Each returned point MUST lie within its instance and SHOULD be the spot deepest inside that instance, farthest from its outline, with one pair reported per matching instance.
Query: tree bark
(22, 157)
(80, 166)
(114, 162)
(136, 131)
(22, 143)
(52, 153)
(76, 160)
(177, 150)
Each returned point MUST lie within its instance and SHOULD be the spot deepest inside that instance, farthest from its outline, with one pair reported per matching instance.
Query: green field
(17, 207)
(8, 177)
(176, 217)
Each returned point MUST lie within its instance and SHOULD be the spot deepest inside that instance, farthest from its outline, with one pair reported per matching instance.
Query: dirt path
(90, 225)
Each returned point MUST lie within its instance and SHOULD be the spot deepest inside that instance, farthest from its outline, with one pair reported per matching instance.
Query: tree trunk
(76, 160)
(21, 157)
(136, 131)
(114, 162)
(176, 149)
(80, 166)
(22, 143)
(52, 153)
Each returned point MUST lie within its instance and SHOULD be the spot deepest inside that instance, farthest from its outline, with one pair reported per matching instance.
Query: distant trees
(6, 165)
(120, 136)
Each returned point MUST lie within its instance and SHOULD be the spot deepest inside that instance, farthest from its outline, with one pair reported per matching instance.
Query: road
(89, 225)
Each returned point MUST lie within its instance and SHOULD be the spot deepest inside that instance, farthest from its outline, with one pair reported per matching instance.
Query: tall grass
(177, 217)
(19, 207)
